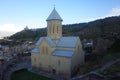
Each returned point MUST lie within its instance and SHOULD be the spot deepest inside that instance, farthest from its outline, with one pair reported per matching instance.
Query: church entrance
(53, 71)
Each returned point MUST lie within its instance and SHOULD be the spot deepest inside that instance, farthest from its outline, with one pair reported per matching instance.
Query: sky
(15, 15)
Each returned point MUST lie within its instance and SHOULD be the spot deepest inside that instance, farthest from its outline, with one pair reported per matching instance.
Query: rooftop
(36, 50)
(63, 53)
(54, 16)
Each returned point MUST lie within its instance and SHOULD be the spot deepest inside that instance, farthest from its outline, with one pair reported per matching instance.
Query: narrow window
(59, 63)
(43, 50)
(57, 29)
(78, 48)
(49, 30)
(46, 50)
(53, 29)
(34, 59)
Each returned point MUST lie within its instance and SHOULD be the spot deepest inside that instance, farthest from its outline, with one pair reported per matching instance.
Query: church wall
(54, 28)
(34, 60)
(62, 65)
(78, 57)
(45, 61)
(45, 56)
(47, 48)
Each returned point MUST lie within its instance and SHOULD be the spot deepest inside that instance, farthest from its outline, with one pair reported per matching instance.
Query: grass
(24, 74)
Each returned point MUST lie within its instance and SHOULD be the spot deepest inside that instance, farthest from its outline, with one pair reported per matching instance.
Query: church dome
(54, 16)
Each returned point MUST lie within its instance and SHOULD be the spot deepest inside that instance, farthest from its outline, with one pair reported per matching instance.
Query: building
(57, 54)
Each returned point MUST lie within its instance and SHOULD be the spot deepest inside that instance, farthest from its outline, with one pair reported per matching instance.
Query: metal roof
(49, 40)
(36, 50)
(54, 16)
(63, 53)
(68, 42)
(63, 42)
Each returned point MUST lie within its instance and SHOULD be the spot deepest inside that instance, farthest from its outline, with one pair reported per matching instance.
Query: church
(55, 53)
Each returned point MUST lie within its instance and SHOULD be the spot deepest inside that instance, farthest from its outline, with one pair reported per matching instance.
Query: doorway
(53, 71)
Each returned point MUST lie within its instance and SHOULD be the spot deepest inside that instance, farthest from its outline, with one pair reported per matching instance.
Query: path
(105, 66)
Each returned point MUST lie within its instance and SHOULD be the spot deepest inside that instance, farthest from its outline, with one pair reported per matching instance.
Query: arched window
(59, 63)
(34, 59)
(46, 50)
(49, 30)
(43, 50)
(57, 29)
(53, 29)
(78, 48)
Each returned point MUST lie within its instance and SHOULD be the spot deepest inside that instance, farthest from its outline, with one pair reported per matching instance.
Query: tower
(54, 25)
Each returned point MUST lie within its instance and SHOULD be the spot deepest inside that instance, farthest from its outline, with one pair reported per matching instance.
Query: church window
(49, 30)
(57, 29)
(46, 50)
(78, 47)
(34, 59)
(53, 29)
(59, 63)
(43, 50)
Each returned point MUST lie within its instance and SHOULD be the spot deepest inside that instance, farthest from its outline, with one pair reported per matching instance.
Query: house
(57, 54)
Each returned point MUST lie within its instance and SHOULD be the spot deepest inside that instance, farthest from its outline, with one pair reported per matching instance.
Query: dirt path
(105, 66)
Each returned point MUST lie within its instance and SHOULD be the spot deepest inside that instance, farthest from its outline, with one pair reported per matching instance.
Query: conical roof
(54, 16)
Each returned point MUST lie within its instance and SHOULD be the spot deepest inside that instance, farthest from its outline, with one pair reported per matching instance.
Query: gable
(47, 39)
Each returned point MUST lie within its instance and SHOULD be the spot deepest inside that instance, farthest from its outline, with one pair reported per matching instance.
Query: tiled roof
(36, 50)
(54, 16)
(63, 53)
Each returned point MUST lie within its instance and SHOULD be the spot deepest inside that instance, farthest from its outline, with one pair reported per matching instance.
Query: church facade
(57, 54)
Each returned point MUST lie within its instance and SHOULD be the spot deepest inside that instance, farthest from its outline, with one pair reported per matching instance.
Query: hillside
(104, 33)
(94, 29)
